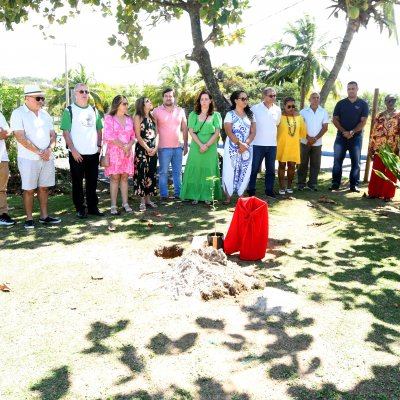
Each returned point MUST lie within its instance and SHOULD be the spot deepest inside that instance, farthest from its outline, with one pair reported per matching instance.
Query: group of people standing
(134, 145)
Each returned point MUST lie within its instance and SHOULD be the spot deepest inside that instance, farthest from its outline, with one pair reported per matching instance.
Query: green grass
(69, 336)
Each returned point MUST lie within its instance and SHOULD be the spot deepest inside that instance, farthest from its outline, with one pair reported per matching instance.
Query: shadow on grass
(162, 344)
(55, 386)
(384, 385)
(101, 331)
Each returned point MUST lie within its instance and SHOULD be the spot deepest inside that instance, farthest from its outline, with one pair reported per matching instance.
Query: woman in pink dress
(119, 136)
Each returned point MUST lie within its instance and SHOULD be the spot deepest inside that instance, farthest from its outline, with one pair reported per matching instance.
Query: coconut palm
(301, 58)
(178, 77)
(359, 13)
(56, 95)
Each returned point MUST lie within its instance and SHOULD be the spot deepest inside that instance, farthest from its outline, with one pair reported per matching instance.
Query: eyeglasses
(243, 98)
(83, 91)
(290, 106)
(272, 96)
(125, 104)
(391, 101)
(37, 98)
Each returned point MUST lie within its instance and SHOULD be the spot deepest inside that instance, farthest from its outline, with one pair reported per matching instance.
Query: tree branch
(212, 33)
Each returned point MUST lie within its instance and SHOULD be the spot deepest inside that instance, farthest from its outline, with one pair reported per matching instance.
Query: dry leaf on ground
(324, 199)
(4, 287)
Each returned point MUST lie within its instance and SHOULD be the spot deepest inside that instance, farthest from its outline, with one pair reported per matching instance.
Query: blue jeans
(259, 153)
(171, 156)
(340, 148)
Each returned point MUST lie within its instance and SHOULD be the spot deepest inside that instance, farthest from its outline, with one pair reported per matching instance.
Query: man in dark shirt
(349, 117)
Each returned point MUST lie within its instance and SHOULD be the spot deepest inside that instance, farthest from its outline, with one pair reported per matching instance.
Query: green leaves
(391, 161)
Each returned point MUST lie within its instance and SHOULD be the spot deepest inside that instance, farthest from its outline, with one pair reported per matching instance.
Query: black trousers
(88, 169)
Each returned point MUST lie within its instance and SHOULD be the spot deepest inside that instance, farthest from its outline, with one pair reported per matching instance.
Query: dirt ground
(94, 321)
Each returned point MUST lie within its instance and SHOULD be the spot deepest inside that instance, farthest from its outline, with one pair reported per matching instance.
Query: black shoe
(49, 220)
(271, 195)
(333, 187)
(312, 188)
(96, 212)
(81, 214)
(300, 188)
(6, 220)
(164, 200)
(355, 189)
(29, 224)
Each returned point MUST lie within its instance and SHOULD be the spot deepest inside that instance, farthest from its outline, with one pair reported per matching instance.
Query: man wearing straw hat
(34, 131)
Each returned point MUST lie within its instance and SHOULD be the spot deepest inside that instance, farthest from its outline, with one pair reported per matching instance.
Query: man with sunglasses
(316, 119)
(267, 115)
(349, 117)
(82, 128)
(33, 129)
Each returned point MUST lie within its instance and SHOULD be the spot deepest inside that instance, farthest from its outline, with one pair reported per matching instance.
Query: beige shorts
(36, 173)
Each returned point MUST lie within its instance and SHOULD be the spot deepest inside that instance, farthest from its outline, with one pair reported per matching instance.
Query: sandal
(127, 208)
(114, 210)
(207, 203)
(194, 202)
(142, 207)
(151, 204)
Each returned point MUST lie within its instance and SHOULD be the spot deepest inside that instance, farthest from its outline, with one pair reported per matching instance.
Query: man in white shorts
(33, 129)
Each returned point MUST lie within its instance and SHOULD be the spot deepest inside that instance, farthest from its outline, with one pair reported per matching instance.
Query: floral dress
(237, 167)
(144, 180)
(119, 162)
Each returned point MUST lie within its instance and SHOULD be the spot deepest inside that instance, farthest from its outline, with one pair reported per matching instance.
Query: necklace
(291, 133)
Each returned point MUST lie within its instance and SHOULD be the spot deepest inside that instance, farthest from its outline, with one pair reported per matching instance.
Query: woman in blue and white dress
(240, 128)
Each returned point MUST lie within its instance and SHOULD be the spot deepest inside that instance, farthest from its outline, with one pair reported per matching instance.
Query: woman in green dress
(202, 169)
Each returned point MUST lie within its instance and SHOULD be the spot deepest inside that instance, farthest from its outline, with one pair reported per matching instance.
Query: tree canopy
(213, 17)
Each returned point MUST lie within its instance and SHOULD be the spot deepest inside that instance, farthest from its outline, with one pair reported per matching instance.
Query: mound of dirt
(208, 274)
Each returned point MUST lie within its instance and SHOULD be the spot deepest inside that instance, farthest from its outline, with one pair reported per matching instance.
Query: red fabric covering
(248, 232)
(378, 187)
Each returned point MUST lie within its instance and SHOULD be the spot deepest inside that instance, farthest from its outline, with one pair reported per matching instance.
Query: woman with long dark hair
(144, 180)
(240, 128)
(120, 137)
(202, 176)
(291, 129)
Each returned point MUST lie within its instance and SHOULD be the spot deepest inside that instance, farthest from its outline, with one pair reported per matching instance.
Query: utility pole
(67, 102)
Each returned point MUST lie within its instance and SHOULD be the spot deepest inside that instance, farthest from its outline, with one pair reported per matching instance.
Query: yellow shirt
(288, 147)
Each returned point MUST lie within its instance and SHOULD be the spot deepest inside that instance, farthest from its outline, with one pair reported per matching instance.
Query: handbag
(196, 133)
(104, 159)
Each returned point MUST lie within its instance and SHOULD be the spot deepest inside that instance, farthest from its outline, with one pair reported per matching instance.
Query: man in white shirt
(316, 119)
(5, 133)
(82, 128)
(33, 129)
(267, 115)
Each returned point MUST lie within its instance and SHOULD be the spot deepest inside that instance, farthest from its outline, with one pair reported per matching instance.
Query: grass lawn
(86, 318)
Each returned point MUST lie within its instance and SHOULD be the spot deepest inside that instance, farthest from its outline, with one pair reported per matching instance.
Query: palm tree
(178, 77)
(301, 58)
(79, 75)
(358, 13)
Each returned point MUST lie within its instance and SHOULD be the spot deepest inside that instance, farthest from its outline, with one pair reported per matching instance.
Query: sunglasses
(37, 98)
(290, 106)
(391, 101)
(243, 98)
(272, 96)
(83, 91)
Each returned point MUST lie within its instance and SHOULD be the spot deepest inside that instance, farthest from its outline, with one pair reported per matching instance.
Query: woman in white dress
(240, 128)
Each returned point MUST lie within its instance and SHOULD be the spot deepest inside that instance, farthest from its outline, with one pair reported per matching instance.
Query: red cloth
(248, 232)
(378, 187)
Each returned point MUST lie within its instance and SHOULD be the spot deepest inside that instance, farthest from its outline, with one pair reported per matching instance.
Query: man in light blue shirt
(316, 119)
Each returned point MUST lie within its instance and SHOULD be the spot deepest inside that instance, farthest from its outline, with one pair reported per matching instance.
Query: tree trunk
(351, 29)
(202, 57)
(303, 92)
